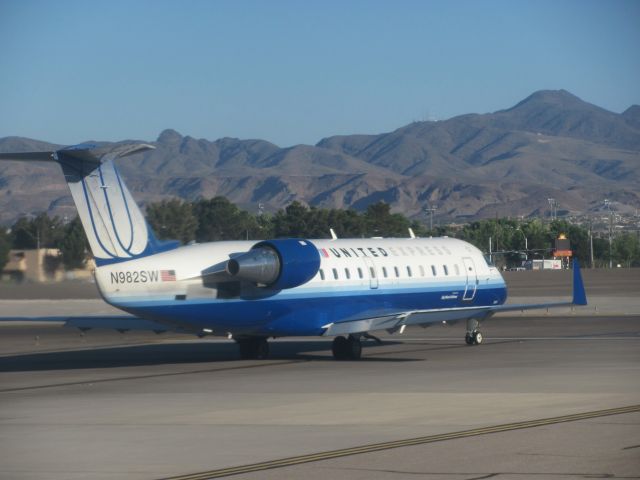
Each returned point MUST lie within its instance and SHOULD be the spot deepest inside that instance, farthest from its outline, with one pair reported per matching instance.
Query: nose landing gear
(473, 336)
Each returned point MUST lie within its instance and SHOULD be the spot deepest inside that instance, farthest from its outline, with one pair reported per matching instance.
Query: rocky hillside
(552, 144)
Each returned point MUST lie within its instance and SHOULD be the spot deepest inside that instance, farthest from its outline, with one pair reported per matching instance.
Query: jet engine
(277, 264)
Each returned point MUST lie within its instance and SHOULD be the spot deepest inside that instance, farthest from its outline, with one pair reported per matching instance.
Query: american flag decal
(168, 275)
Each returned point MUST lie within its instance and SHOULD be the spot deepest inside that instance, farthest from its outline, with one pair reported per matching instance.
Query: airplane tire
(262, 349)
(354, 351)
(477, 338)
(244, 347)
(468, 339)
(255, 348)
(340, 348)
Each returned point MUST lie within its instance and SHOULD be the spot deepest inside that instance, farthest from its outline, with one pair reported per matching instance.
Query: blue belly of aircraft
(305, 314)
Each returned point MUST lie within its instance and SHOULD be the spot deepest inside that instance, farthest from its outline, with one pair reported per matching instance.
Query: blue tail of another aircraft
(115, 227)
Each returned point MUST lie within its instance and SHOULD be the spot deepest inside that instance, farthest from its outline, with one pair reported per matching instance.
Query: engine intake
(278, 264)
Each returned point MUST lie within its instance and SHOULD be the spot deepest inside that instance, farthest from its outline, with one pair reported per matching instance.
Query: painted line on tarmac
(631, 336)
(152, 375)
(221, 369)
(376, 447)
(262, 364)
(385, 353)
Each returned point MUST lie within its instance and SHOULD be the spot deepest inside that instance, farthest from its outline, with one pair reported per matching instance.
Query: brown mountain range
(552, 144)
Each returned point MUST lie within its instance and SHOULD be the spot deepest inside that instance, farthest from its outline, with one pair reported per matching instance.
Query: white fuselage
(374, 275)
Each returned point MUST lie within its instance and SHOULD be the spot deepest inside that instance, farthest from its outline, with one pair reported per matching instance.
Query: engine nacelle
(278, 264)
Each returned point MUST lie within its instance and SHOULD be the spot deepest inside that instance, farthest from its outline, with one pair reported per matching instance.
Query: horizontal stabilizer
(29, 156)
(115, 226)
(101, 153)
(90, 153)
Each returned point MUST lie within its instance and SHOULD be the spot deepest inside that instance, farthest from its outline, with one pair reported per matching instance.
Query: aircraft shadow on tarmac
(198, 353)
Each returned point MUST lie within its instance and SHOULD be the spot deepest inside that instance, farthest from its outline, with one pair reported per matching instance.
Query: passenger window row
(345, 274)
(421, 251)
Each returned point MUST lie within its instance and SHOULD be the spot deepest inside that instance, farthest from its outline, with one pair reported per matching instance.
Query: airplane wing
(397, 321)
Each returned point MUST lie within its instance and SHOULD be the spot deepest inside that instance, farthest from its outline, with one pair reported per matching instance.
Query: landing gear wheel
(262, 349)
(339, 348)
(346, 348)
(473, 338)
(355, 348)
(253, 348)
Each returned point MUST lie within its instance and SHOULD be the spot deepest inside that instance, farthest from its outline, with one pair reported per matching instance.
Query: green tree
(381, 222)
(173, 219)
(347, 223)
(508, 238)
(293, 221)
(478, 233)
(626, 249)
(298, 220)
(5, 246)
(420, 229)
(74, 245)
(41, 231)
(219, 219)
(265, 226)
(537, 235)
(317, 223)
(601, 251)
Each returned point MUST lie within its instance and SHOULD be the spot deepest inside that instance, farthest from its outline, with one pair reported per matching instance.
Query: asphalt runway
(552, 396)
(94, 406)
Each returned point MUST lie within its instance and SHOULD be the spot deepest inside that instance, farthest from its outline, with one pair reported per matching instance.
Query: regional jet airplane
(252, 291)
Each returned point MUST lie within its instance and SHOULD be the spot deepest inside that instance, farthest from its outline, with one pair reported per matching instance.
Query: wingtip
(579, 294)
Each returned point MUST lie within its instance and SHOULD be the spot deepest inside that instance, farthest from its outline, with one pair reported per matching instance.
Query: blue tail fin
(116, 228)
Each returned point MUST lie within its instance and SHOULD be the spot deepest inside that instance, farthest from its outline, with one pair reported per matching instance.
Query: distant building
(41, 265)
(547, 264)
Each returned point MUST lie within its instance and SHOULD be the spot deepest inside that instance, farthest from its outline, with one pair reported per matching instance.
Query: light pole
(34, 217)
(591, 240)
(607, 204)
(431, 211)
(526, 244)
(553, 208)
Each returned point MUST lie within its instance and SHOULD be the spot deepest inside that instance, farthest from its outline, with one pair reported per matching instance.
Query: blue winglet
(579, 295)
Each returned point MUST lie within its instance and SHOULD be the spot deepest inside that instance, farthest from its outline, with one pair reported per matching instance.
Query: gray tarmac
(142, 406)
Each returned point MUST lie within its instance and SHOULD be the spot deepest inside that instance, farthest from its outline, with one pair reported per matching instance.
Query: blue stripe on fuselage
(303, 312)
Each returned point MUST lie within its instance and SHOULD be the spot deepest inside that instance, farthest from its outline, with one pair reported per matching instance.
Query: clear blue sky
(296, 71)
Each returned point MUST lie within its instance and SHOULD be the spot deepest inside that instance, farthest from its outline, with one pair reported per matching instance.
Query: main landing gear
(473, 336)
(348, 348)
(253, 348)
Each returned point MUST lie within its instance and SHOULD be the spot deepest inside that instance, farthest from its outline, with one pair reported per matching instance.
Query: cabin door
(472, 278)
(371, 272)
